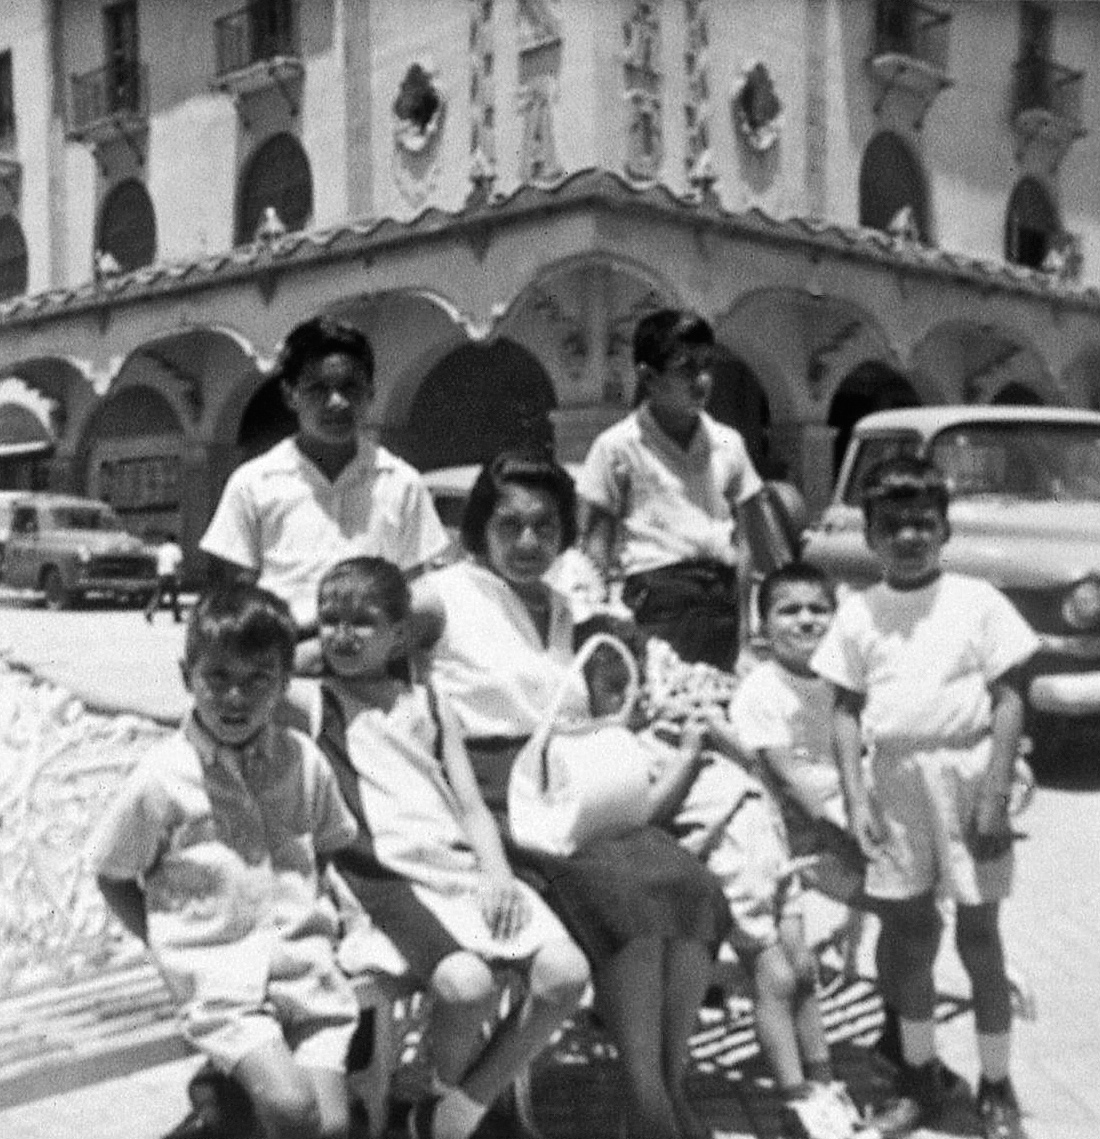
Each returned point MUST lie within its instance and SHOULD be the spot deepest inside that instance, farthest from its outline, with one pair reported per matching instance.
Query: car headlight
(1081, 606)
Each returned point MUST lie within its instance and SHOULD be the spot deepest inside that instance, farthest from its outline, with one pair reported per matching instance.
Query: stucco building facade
(876, 202)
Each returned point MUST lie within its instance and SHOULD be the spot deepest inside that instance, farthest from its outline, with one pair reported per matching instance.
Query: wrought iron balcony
(109, 101)
(913, 30)
(257, 33)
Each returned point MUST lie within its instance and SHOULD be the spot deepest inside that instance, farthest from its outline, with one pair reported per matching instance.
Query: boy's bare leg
(806, 1008)
(687, 973)
(292, 1102)
(773, 997)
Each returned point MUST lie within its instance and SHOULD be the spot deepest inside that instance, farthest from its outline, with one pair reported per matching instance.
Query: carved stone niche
(418, 109)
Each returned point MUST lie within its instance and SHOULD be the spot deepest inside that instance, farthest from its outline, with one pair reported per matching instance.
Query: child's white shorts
(308, 1003)
(927, 800)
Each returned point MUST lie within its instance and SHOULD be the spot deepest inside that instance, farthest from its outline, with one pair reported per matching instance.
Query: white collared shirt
(283, 517)
(224, 842)
(673, 505)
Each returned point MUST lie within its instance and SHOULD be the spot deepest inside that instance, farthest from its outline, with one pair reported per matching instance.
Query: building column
(806, 447)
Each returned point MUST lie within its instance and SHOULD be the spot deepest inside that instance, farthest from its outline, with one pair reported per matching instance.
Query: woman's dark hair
(793, 573)
(661, 334)
(371, 579)
(525, 468)
(317, 338)
(243, 619)
(903, 478)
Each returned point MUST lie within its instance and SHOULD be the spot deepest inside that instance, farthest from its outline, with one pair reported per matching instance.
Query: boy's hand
(990, 831)
(503, 906)
(867, 827)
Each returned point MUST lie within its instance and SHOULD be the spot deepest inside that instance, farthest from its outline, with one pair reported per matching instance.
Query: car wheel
(57, 596)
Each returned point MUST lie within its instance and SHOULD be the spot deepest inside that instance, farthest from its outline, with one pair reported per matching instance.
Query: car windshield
(85, 518)
(1035, 461)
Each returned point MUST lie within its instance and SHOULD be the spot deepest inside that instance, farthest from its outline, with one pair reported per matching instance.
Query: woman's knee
(462, 979)
(559, 975)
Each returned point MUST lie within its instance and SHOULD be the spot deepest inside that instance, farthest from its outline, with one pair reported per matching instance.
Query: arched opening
(265, 421)
(890, 180)
(127, 227)
(474, 402)
(277, 176)
(134, 448)
(1017, 394)
(870, 387)
(13, 258)
(1032, 227)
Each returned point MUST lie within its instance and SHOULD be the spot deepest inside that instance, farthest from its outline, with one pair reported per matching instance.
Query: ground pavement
(1052, 929)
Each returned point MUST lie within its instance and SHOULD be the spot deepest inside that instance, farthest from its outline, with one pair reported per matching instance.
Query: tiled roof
(585, 188)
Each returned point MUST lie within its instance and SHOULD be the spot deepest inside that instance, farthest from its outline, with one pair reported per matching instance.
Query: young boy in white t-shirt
(926, 669)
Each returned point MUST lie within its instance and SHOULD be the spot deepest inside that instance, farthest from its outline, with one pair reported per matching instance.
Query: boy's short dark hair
(661, 334)
(243, 619)
(903, 478)
(375, 579)
(525, 468)
(793, 573)
(316, 338)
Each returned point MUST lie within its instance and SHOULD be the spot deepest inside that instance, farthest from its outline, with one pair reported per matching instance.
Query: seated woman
(647, 915)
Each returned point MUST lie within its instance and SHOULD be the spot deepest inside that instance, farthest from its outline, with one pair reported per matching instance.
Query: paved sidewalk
(1051, 926)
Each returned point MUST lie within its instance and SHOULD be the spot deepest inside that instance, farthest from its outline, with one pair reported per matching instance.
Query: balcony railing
(112, 92)
(910, 28)
(1041, 85)
(255, 33)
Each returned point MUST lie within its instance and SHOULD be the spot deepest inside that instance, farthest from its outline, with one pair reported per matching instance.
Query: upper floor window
(7, 101)
(891, 188)
(1032, 228)
(13, 258)
(127, 226)
(278, 176)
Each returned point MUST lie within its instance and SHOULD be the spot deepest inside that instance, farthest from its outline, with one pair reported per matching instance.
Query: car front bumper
(129, 585)
(1066, 694)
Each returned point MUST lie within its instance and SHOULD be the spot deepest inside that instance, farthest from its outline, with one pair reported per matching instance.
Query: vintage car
(69, 548)
(1025, 515)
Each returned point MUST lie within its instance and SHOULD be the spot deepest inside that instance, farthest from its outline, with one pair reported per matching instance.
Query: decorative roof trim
(584, 189)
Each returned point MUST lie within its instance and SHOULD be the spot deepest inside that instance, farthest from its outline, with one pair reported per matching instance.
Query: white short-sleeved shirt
(281, 516)
(674, 505)
(169, 559)
(774, 709)
(925, 658)
(490, 661)
(224, 842)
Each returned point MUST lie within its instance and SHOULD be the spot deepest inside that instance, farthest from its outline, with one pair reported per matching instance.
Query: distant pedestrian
(169, 560)
(926, 667)
(669, 492)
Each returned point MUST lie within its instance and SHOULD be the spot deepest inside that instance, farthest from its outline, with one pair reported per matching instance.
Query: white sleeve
(757, 715)
(596, 482)
(839, 658)
(423, 534)
(234, 531)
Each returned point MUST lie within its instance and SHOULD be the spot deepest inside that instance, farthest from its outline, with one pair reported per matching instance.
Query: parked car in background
(70, 548)
(8, 499)
(1025, 515)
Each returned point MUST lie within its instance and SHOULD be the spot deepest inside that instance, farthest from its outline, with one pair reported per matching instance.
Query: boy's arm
(848, 740)
(599, 538)
(667, 793)
(126, 900)
(992, 830)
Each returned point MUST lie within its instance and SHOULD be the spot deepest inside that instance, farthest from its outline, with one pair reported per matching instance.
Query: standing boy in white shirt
(667, 489)
(926, 672)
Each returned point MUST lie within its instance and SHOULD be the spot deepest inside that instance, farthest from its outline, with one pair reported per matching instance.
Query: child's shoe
(817, 1113)
(999, 1111)
(920, 1102)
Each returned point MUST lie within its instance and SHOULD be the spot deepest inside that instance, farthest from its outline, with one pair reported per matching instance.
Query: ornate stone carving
(571, 340)
(483, 145)
(642, 80)
(697, 158)
(419, 109)
(757, 111)
(540, 51)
